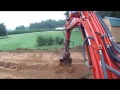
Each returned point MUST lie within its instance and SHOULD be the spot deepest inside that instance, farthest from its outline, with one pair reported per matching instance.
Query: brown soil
(38, 64)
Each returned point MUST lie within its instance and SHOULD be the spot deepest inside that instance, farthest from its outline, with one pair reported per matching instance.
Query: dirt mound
(38, 64)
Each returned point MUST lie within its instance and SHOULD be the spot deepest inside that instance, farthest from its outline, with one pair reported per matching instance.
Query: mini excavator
(100, 50)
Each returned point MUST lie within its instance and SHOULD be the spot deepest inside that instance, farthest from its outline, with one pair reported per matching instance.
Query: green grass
(28, 40)
(28, 31)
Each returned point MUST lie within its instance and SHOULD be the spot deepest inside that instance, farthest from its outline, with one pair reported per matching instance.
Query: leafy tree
(22, 27)
(109, 13)
(66, 13)
(47, 24)
(3, 31)
(58, 40)
(41, 41)
(49, 41)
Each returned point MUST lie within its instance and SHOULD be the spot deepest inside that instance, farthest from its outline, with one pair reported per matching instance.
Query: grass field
(28, 40)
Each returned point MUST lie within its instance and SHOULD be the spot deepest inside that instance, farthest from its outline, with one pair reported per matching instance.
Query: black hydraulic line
(113, 54)
(103, 24)
(109, 48)
(83, 49)
(116, 47)
(108, 32)
(111, 58)
(113, 70)
(115, 44)
(108, 67)
(103, 65)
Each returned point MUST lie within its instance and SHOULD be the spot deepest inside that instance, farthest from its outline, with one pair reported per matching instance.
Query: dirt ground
(38, 64)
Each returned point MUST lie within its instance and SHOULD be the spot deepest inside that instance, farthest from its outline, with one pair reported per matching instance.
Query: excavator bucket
(65, 60)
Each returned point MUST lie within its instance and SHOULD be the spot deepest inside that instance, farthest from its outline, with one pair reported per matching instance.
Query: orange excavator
(100, 50)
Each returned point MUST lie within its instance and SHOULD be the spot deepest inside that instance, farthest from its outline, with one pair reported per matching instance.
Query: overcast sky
(15, 18)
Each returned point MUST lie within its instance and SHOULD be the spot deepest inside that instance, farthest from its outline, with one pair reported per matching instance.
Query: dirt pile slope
(37, 64)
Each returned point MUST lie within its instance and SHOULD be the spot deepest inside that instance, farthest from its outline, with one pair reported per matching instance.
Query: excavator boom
(99, 45)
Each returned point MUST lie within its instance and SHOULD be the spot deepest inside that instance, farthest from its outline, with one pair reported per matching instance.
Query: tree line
(3, 31)
(54, 24)
(48, 24)
(109, 14)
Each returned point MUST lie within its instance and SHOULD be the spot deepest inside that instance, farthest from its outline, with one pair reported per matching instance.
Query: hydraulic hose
(111, 58)
(107, 66)
(103, 65)
(83, 49)
(109, 49)
(116, 47)
(113, 54)
(113, 70)
(108, 32)
(115, 44)
(103, 24)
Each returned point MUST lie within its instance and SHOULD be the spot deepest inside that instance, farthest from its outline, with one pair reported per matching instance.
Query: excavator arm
(100, 50)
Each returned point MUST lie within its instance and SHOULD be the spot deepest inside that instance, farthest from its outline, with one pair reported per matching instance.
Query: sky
(12, 19)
